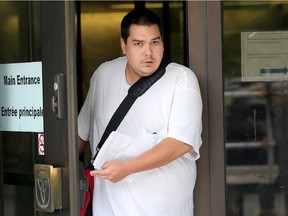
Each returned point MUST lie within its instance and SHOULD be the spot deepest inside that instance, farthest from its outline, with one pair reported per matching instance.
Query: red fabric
(87, 206)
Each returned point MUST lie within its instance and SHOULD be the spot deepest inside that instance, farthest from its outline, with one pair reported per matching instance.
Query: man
(165, 123)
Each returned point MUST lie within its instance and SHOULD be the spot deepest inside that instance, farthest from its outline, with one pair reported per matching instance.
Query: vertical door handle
(58, 102)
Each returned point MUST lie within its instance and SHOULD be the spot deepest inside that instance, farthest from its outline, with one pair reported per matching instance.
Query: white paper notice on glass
(21, 97)
(264, 56)
(119, 146)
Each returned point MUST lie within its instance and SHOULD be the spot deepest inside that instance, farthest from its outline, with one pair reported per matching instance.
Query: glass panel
(256, 111)
(20, 38)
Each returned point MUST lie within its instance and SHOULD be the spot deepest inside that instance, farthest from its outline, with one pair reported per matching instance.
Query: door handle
(58, 102)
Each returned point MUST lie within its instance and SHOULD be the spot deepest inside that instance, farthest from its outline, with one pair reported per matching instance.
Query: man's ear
(123, 45)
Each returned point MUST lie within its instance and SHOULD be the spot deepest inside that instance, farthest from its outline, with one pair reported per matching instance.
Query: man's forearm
(160, 155)
(163, 153)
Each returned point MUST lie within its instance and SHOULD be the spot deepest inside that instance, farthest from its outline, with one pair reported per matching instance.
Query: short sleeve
(185, 123)
(84, 119)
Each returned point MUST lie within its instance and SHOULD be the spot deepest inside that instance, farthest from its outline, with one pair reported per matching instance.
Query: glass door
(36, 49)
(255, 98)
(20, 38)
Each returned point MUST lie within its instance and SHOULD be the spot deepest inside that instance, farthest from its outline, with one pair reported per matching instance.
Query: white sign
(264, 56)
(21, 97)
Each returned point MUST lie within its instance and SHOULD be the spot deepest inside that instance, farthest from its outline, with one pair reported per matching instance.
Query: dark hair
(139, 16)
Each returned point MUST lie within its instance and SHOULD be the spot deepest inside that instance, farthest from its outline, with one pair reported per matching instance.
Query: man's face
(144, 51)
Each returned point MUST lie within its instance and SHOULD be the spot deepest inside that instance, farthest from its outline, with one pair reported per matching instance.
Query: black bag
(135, 91)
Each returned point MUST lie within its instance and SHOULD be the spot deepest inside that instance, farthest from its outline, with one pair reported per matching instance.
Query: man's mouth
(148, 62)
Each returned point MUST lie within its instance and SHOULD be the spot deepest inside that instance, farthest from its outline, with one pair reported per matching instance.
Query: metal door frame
(205, 58)
(59, 56)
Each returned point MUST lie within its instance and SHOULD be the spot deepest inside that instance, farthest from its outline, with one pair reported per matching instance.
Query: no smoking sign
(41, 149)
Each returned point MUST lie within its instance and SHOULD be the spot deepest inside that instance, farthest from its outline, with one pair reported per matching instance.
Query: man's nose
(148, 49)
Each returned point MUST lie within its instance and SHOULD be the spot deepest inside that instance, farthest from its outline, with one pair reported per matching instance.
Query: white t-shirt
(172, 107)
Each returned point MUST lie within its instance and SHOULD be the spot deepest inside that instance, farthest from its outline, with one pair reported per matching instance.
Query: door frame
(204, 21)
(1, 179)
(59, 56)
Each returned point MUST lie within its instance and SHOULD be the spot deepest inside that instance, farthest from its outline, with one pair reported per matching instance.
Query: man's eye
(155, 42)
(138, 43)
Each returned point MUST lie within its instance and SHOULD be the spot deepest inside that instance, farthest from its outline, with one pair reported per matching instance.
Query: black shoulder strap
(136, 90)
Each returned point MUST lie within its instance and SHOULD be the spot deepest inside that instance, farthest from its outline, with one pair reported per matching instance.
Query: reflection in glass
(256, 116)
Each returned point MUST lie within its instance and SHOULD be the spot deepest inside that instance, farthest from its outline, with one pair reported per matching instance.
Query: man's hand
(114, 170)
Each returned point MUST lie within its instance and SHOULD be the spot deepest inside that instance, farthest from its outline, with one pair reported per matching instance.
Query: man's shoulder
(120, 61)
(177, 66)
(179, 69)
(180, 72)
(106, 69)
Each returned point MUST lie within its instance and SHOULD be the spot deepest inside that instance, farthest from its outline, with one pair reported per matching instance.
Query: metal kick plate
(48, 189)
